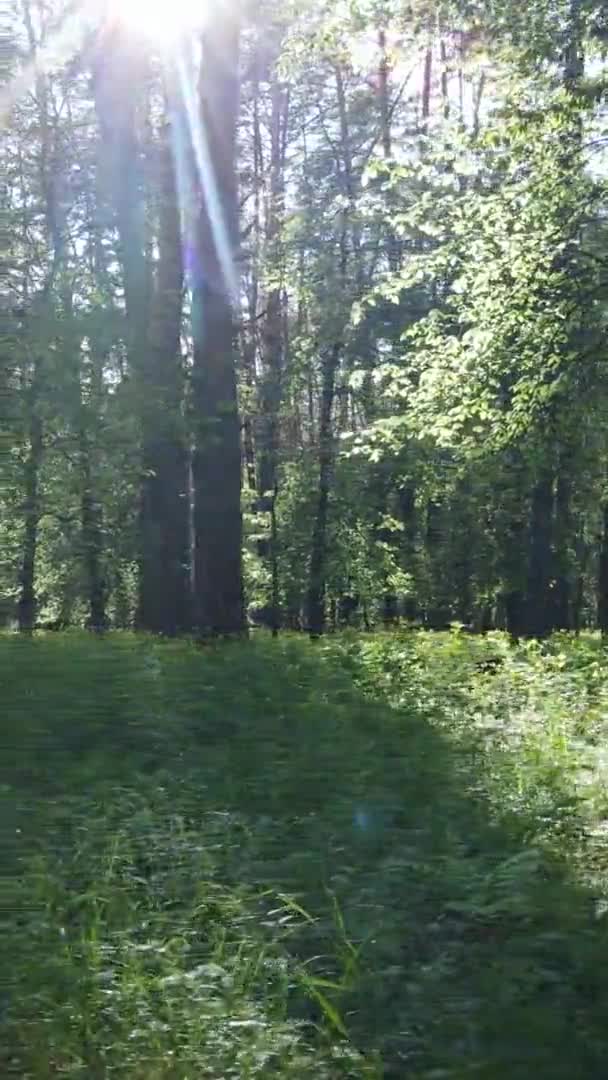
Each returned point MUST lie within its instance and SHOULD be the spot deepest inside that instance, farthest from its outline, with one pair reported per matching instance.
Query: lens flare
(162, 21)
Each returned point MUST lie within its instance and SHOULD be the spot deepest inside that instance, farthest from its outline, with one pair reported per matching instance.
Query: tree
(216, 465)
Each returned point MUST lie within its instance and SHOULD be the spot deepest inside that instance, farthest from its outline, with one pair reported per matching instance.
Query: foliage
(420, 320)
(316, 861)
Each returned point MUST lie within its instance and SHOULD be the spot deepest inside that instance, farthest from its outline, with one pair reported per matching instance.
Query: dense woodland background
(381, 229)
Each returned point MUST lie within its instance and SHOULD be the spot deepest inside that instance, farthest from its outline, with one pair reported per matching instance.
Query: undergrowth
(376, 856)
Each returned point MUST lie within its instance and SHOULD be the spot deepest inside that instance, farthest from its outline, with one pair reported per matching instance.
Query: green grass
(363, 858)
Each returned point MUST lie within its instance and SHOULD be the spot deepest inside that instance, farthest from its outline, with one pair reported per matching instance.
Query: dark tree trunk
(272, 337)
(216, 466)
(164, 585)
(118, 71)
(92, 534)
(462, 567)
(563, 601)
(26, 605)
(438, 613)
(407, 513)
(318, 550)
(249, 348)
(539, 613)
(379, 496)
(514, 575)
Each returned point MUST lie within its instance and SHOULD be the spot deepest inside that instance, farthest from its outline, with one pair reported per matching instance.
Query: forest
(311, 333)
(304, 539)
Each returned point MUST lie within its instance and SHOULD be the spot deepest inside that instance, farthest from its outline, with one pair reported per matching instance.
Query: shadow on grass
(454, 943)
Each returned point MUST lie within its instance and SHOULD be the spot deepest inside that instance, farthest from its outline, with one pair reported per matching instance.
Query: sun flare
(161, 20)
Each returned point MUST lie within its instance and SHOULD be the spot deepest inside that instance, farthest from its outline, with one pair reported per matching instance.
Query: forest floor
(375, 856)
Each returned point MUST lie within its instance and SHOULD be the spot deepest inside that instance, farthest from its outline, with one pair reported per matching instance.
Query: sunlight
(164, 21)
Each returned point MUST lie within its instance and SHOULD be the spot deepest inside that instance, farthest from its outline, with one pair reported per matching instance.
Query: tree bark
(164, 584)
(26, 605)
(48, 166)
(216, 466)
(91, 531)
(272, 335)
(563, 602)
(539, 615)
(250, 336)
(318, 549)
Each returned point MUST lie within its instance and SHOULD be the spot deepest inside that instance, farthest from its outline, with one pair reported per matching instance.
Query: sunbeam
(207, 179)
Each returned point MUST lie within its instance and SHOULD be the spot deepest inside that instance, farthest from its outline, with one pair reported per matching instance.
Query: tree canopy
(304, 317)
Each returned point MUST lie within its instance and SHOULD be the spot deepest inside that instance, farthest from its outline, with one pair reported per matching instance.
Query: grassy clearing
(367, 858)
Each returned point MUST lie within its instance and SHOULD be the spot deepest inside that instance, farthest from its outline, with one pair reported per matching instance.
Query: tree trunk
(539, 615)
(91, 531)
(26, 605)
(563, 603)
(118, 73)
(216, 465)
(318, 550)
(329, 372)
(407, 515)
(272, 336)
(249, 348)
(514, 567)
(164, 584)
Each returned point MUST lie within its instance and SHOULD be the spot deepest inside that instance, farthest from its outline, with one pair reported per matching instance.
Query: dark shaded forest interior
(303, 348)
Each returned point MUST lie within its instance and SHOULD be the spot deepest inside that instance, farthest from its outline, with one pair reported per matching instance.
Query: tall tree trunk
(47, 168)
(407, 515)
(539, 617)
(249, 350)
(318, 551)
(164, 585)
(118, 75)
(390, 601)
(272, 334)
(541, 600)
(563, 603)
(329, 371)
(512, 533)
(26, 604)
(216, 465)
(91, 531)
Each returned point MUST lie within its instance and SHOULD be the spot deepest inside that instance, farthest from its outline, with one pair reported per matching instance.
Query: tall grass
(373, 857)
